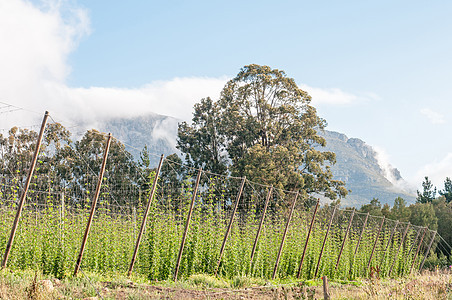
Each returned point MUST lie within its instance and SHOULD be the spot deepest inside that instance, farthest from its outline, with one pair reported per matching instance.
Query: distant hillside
(357, 163)
(156, 131)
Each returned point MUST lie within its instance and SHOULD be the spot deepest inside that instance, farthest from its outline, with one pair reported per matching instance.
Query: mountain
(357, 163)
(155, 131)
(365, 173)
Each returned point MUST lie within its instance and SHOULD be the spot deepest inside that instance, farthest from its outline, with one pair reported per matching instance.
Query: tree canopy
(262, 127)
(447, 192)
(428, 192)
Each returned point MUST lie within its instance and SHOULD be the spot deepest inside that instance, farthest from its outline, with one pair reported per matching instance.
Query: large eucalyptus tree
(262, 127)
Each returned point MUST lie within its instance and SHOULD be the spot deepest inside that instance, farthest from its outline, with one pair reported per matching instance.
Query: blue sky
(377, 70)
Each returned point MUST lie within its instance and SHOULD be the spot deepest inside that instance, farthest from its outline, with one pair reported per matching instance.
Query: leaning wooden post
(418, 248)
(187, 224)
(415, 239)
(376, 241)
(284, 236)
(93, 205)
(345, 237)
(398, 249)
(269, 194)
(361, 235)
(143, 223)
(24, 193)
(62, 220)
(359, 242)
(426, 252)
(239, 195)
(324, 241)
(307, 238)
(389, 242)
(392, 235)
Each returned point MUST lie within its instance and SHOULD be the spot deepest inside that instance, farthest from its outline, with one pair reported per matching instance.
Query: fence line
(221, 204)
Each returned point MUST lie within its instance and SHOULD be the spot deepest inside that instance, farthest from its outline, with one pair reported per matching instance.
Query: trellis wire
(211, 179)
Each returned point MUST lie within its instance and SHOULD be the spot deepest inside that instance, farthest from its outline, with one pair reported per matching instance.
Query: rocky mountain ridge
(357, 163)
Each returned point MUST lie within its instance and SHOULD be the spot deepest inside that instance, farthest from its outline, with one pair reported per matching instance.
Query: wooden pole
(398, 249)
(62, 220)
(415, 239)
(361, 235)
(359, 242)
(326, 292)
(324, 241)
(269, 194)
(239, 195)
(376, 241)
(345, 237)
(389, 242)
(392, 235)
(146, 213)
(426, 252)
(24, 193)
(93, 205)
(418, 248)
(187, 224)
(284, 236)
(307, 238)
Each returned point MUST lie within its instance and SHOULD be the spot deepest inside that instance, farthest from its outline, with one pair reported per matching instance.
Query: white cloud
(333, 96)
(433, 116)
(382, 158)
(35, 45)
(172, 98)
(436, 171)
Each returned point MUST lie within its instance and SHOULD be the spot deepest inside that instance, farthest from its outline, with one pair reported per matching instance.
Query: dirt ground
(429, 285)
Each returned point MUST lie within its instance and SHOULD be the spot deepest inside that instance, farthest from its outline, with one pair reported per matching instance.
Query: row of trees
(71, 168)
(63, 165)
(435, 214)
(428, 193)
(262, 127)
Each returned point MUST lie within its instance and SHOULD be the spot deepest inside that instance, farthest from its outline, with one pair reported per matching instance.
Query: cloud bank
(36, 43)
(382, 158)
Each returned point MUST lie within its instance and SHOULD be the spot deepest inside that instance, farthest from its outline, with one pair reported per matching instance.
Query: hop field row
(49, 238)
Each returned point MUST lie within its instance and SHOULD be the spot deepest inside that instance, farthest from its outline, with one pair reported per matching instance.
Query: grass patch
(206, 281)
(240, 282)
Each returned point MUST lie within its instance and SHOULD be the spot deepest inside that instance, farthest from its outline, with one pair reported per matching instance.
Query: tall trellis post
(376, 241)
(361, 235)
(359, 242)
(415, 239)
(146, 213)
(418, 248)
(284, 236)
(269, 194)
(345, 238)
(93, 205)
(187, 224)
(239, 195)
(389, 242)
(428, 250)
(24, 193)
(400, 246)
(324, 241)
(307, 237)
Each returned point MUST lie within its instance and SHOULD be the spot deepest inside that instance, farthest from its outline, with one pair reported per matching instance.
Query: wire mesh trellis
(61, 191)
